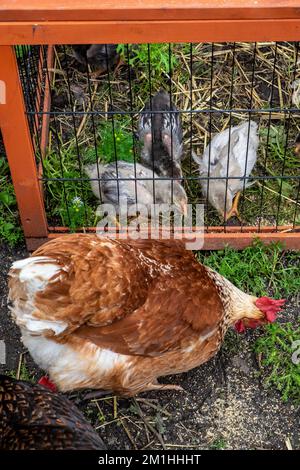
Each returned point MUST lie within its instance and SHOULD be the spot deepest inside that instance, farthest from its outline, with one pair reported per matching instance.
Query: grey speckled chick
(110, 188)
(162, 148)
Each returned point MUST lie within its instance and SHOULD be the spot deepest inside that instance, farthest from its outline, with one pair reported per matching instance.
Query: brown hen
(117, 314)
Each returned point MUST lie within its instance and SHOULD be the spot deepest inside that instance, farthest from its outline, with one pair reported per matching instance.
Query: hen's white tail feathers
(35, 272)
(27, 277)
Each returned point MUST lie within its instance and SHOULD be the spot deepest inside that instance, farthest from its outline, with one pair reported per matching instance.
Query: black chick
(101, 57)
(34, 418)
(162, 148)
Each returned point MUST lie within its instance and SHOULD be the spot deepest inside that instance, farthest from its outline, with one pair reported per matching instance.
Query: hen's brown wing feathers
(100, 281)
(176, 312)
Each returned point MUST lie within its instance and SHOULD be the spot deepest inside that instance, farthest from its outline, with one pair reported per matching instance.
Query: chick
(297, 145)
(162, 145)
(113, 187)
(219, 161)
(101, 57)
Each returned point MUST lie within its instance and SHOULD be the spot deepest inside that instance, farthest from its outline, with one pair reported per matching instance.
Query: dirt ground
(224, 405)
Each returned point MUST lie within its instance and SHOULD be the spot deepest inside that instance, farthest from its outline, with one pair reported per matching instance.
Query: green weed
(114, 141)
(21, 51)
(275, 141)
(276, 348)
(10, 230)
(218, 444)
(258, 269)
(156, 56)
(25, 374)
(68, 201)
(263, 270)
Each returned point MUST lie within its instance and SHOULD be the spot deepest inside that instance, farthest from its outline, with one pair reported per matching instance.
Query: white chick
(219, 161)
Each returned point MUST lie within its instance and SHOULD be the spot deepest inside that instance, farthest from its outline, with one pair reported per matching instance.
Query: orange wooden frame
(19, 149)
(72, 10)
(72, 32)
(68, 21)
(213, 239)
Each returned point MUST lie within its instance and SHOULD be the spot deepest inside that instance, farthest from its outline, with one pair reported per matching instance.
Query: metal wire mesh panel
(32, 74)
(237, 105)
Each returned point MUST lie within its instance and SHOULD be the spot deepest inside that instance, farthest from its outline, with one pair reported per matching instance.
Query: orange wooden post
(19, 148)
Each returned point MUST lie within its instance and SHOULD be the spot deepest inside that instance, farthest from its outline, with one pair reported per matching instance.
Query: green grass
(114, 141)
(258, 269)
(71, 203)
(25, 374)
(68, 202)
(280, 158)
(276, 348)
(21, 51)
(10, 230)
(152, 65)
(265, 270)
(218, 444)
(157, 54)
(274, 142)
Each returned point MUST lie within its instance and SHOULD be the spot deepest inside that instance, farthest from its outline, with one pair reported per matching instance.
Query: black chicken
(101, 57)
(34, 418)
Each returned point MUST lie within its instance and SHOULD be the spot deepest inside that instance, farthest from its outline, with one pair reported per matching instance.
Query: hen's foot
(97, 394)
(234, 210)
(118, 65)
(103, 70)
(98, 72)
(165, 387)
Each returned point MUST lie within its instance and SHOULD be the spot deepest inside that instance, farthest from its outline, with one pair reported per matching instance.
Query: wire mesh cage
(235, 104)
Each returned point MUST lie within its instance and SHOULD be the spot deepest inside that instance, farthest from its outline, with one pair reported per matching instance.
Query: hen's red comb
(270, 307)
(47, 383)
